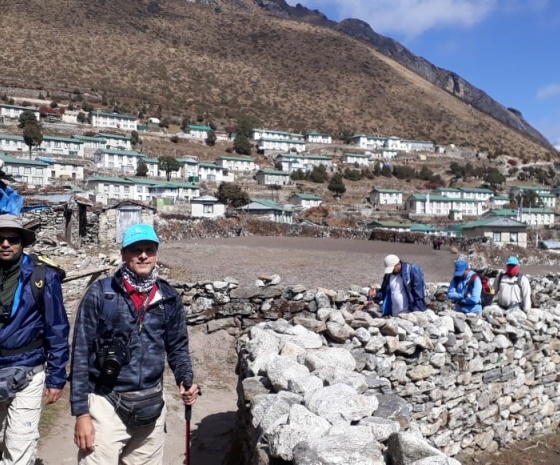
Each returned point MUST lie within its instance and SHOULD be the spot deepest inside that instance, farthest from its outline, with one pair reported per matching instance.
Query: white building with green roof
(356, 158)
(118, 161)
(268, 210)
(34, 173)
(115, 141)
(292, 162)
(315, 137)
(270, 134)
(306, 201)
(272, 178)
(530, 216)
(211, 172)
(385, 197)
(442, 205)
(189, 168)
(198, 131)
(502, 230)
(469, 193)
(14, 111)
(241, 164)
(122, 121)
(282, 145)
(55, 145)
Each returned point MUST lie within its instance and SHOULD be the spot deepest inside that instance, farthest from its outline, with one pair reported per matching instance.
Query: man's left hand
(52, 395)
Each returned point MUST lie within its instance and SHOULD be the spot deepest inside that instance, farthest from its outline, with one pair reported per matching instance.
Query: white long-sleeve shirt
(511, 294)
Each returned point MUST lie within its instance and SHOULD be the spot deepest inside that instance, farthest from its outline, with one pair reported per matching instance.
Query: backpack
(486, 295)
(38, 274)
(498, 281)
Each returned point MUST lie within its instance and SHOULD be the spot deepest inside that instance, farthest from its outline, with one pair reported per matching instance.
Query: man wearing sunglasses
(33, 343)
(126, 326)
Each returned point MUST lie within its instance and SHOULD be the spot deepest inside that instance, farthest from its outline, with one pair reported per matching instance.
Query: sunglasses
(12, 240)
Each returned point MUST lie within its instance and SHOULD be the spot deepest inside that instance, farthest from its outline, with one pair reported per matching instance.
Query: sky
(508, 48)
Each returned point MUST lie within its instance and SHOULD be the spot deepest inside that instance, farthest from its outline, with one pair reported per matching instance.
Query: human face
(10, 247)
(397, 268)
(140, 257)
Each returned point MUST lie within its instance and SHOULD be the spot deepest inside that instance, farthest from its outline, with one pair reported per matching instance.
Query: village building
(115, 219)
(272, 178)
(442, 205)
(469, 193)
(292, 162)
(189, 169)
(101, 119)
(115, 141)
(51, 144)
(197, 131)
(502, 230)
(366, 141)
(211, 172)
(34, 173)
(207, 206)
(14, 111)
(530, 216)
(64, 169)
(315, 137)
(385, 197)
(498, 201)
(268, 210)
(361, 159)
(545, 194)
(150, 190)
(243, 164)
(281, 145)
(107, 188)
(118, 161)
(305, 201)
(259, 134)
(90, 143)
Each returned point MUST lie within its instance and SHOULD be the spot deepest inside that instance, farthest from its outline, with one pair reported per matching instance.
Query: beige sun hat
(14, 222)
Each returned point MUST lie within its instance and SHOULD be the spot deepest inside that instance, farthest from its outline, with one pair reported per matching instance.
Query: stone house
(114, 220)
(207, 206)
(269, 210)
(385, 197)
(502, 230)
(305, 200)
(272, 178)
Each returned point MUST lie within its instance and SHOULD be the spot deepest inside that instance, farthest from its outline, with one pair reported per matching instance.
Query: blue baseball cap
(460, 267)
(139, 232)
(512, 261)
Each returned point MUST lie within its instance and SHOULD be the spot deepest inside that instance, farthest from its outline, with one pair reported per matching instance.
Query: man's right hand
(84, 433)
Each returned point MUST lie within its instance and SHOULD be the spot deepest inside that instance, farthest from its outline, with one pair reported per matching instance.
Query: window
(208, 209)
(27, 170)
(497, 236)
(37, 181)
(38, 170)
(513, 237)
(126, 189)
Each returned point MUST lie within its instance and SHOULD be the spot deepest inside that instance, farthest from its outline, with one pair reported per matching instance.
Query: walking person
(34, 348)
(465, 289)
(403, 288)
(512, 288)
(126, 326)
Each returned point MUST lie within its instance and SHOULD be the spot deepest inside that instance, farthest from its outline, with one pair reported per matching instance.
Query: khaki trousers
(19, 421)
(115, 444)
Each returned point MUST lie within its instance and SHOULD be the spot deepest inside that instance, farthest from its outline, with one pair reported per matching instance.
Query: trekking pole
(188, 416)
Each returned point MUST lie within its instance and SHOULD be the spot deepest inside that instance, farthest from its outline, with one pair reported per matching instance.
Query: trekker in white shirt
(513, 290)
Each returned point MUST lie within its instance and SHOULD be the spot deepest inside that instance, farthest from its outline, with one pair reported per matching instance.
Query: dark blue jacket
(164, 331)
(28, 324)
(415, 288)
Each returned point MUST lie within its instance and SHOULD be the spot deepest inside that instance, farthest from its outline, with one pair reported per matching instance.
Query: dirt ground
(331, 263)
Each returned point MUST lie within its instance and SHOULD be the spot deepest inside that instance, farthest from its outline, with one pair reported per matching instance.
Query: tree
(27, 117)
(232, 195)
(318, 174)
(387, 171)
(245, 126)
(352, 174)
(81, 117)
(494, 177)
(336, 185)
(345, 135)
(134, 138)
(168, 164)
(32, 136)
(241, 144)
(142, 168)
(211, 138)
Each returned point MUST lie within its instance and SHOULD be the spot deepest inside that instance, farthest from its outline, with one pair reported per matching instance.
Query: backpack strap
(110, 298)
(38, 276)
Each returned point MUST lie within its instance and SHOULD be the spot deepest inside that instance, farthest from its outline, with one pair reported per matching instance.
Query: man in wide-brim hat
(33, 341)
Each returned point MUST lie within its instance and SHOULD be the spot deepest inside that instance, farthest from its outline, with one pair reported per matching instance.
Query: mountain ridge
(228, 59)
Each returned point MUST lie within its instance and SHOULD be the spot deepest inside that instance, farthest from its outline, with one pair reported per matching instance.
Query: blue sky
(508, 48)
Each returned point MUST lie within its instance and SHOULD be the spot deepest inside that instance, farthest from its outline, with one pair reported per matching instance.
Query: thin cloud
(550, 90)
(409, 18)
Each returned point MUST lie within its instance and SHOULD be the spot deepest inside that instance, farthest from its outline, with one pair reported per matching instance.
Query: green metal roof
(187, 160)
(387, 191)
(439, 198)
(11, 137)
(514, 211)
(304, 157)
(19, 107)
(62, 139)
(197, 127)
(109, 179)
(21, 161)
(128, 153)
(268, 203)
(210, 165)
(89, 138)
(273, 173)
(356, 155)
(389, 224)
(235, 158)
(115, 115)
(308, 196)
(288, 141)
(111, 136)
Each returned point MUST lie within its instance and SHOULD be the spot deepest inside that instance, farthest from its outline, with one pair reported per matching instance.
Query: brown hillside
(222, 62)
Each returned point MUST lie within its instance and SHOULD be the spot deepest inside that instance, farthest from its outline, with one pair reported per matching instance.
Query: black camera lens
(111, 368)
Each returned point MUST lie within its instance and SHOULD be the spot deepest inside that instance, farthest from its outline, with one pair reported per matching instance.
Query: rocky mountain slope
(222, 60)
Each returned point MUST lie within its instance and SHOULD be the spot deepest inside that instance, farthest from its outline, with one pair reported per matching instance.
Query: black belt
(21, 350)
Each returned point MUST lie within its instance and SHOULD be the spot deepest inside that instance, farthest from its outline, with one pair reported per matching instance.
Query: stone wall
(465, 383)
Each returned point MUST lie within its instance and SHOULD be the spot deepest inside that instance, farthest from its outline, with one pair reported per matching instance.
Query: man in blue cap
(513, 290)
(126, 326)
(465, 289)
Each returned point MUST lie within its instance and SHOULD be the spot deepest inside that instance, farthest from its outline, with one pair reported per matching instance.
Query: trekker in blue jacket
(403, 288)
(33, 343)
(126, 327)
(465, 289)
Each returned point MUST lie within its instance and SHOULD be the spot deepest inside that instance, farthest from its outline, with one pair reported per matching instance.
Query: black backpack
(38, 274)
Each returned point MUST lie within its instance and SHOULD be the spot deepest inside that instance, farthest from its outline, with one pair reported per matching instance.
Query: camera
(112, 354)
